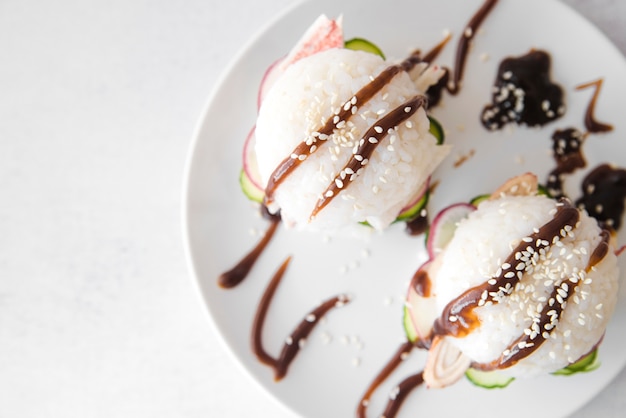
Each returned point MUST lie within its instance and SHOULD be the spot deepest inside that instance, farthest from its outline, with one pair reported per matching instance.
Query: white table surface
(98, 102)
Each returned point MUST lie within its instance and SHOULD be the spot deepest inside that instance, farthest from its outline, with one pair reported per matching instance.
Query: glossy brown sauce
(462, 48)
(417, 225)
(401, 392)
(591, 123)
(568, 156)
(452, 80)
(240, 271)
(523, 93)
(401, 353)
(604, 193)
(296, 339)
(421, 283)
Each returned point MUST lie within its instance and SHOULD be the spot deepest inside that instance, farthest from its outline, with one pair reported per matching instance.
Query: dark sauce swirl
(392, 364)
(523, 93)
(604, 193)
(568, 155)
(464, 43)
(296, 339)
(593, 125)
(240, 271)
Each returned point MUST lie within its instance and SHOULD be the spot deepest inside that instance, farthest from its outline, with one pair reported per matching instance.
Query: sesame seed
(378, 129)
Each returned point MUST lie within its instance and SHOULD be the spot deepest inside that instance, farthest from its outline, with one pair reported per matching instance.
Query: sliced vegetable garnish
(413, 210)
(586, 364)
(360, 44)
(443, 226)
(248, 187)
(488, 380)
(409, 328)
(436, 129)
(476, 201)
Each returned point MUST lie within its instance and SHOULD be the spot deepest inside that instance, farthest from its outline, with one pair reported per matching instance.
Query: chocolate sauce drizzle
(296, 339)
(523, 93)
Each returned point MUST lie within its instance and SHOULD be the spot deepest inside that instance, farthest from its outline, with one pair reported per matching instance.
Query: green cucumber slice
(476, 201)
(360, 44)
(488, 380)
(436, 129)
(586, 364)
(409, 329)
(412, 212)
(251, 191)
(543, 190)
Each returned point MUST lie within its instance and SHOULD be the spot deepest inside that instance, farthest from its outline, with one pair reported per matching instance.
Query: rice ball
(560, 281)
(309, 94)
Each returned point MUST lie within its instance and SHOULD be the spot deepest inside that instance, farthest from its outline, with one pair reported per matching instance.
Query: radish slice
(421, 310)
(443, 227)
(272, 74)
(250, 165)
(446, 364)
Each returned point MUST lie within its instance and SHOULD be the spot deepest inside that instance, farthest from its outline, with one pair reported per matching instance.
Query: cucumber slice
(543, 190)
(407, 324)
(251, 191)
(412, 212)
(436, 129)
(586, 364)
(488, 380)
(476, 201)
(360, 44)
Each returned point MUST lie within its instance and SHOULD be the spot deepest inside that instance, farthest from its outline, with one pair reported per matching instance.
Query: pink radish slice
(272, 74)
(422, 310)
(443, 226)
(250, 166)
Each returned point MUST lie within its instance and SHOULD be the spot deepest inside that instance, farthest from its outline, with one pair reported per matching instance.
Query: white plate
(324, 380)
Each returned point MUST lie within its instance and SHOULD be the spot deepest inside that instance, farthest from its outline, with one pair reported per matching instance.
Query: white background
(98, 102)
